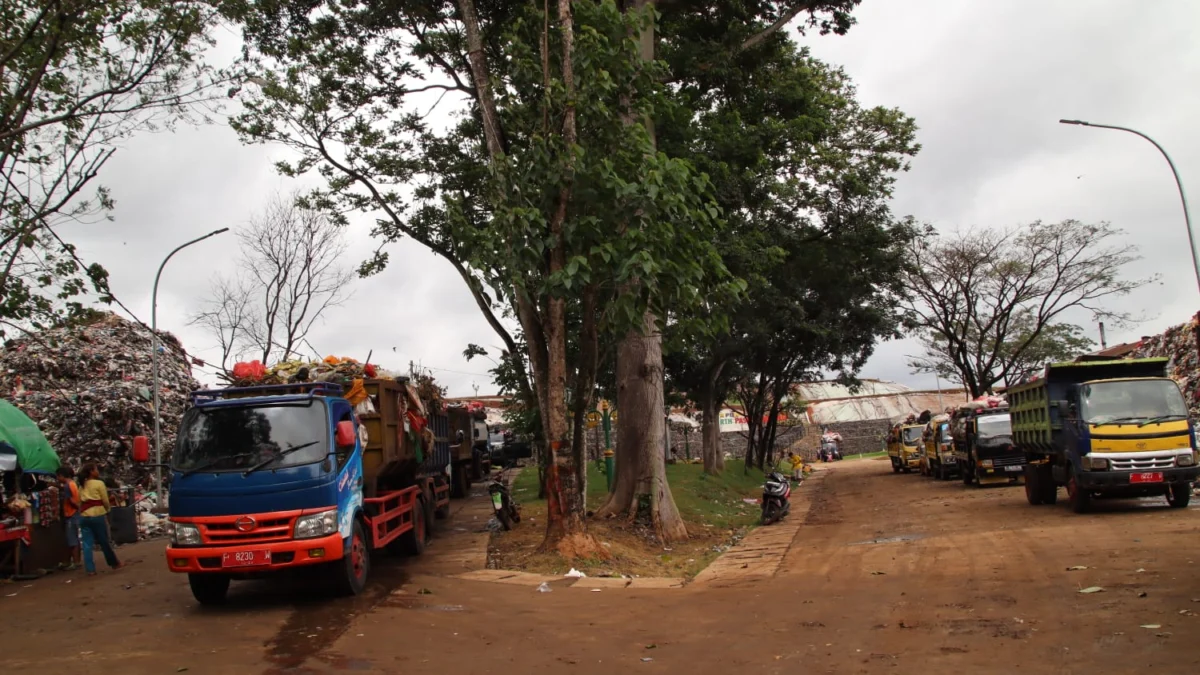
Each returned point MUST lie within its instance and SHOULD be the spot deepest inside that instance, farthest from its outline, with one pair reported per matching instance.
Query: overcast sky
(986, 82)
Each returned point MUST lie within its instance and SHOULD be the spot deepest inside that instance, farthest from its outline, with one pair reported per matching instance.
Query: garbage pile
(88, 387)
(1178, 344)
(335, 369)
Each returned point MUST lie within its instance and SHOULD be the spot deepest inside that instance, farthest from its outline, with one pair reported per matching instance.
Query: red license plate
(1155, 477)
(246, 559)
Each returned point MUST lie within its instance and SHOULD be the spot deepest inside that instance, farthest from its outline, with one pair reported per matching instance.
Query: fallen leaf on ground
(1091, 589)
(1151, 626)
(1077, 568)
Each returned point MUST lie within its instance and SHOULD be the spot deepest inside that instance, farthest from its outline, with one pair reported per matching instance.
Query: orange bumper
(284, 554)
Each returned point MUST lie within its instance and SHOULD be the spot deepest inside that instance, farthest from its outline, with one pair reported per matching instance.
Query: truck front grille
(1142, 463)
(226, 532)
(1011, 460)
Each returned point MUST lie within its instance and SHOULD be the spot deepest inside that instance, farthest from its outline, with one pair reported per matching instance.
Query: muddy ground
(886, 574)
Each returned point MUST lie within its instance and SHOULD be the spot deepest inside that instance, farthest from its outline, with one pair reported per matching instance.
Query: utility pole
(154, 347)
(1187, 218)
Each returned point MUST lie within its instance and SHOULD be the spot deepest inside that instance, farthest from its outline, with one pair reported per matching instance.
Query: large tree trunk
(641, 492)
(711, 450)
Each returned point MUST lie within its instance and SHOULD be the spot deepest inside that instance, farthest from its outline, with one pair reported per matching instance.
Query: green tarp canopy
(33, 450)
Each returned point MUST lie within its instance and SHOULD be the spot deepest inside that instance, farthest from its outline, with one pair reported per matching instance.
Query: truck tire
(1047, 485)
(460, 481)
(350, 573)
(209, 589)
(442, 511)
(413, 541)
(427, 507)
(1033, 485)
(1179, 495)
(1080, 499)
(968, 472)
(895, 465)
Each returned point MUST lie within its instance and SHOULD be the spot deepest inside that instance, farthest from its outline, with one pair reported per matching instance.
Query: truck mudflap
(252, 557)
(1146, 481)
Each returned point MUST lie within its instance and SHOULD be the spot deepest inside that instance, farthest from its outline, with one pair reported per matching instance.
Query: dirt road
(887, 574)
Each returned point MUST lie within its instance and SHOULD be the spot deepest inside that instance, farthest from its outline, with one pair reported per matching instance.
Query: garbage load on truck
(267, 478)
(983, 442)
(1105, 429)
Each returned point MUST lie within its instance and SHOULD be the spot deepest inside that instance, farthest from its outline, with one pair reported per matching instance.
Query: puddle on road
(318, 621)
(889, 540)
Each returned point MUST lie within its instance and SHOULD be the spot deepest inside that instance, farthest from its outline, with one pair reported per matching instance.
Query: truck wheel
(355, 564)
(968, 473)
(477, 467)
(414, 540)
(895, 465)
(1033, 485)
(1047, 485)
(427, 507)
(443, 511)
(1179, 495)
(1080, 499)
(209, 589)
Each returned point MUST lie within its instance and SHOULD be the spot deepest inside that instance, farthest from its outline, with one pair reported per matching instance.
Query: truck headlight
(1186, 460)
(1096, 463)
(184, 534)
(985, 463)
(316, 525)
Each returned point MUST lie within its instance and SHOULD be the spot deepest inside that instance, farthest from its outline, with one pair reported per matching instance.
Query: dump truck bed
(391, 459)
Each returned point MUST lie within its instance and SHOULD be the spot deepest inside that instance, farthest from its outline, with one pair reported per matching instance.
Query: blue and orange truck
(278, 477)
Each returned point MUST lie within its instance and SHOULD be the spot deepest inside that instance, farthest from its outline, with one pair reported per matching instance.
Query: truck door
(348, 455)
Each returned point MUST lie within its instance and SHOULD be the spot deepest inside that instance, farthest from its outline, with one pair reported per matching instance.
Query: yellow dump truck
(939, 460)
(905, 447)
(1105, 429)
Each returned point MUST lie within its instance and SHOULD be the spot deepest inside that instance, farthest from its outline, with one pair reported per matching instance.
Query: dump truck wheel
(209, 589)
(442, 511)
(1080, 499)
(1033, 485)
(968, 472)
(1179, 495)
(1047, 485)
(352, 570)
(414, 540)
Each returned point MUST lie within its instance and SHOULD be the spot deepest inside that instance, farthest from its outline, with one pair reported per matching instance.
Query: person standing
(71, 512)
(94, 526)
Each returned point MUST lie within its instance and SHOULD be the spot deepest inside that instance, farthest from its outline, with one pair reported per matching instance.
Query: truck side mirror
(344, 435)
(1064, 407)
(141, 449)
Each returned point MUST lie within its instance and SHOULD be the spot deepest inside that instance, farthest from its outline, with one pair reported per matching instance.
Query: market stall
(32, 530)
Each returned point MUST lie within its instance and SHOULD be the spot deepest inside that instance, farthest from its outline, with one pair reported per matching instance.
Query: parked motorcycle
(508, 512)
(775, 504)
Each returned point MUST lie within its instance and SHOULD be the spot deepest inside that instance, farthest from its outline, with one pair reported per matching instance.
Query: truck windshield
(993, 429)
(1131, 401)
(912, 435)
(235, 439)
(945, 433)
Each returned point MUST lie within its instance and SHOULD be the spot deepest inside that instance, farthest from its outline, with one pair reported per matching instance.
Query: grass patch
(867, 455)
(713, 508)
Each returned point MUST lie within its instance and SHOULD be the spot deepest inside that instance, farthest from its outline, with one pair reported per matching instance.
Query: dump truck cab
(1106, 429)
(939, 460)
(905, 446)
(983, 443)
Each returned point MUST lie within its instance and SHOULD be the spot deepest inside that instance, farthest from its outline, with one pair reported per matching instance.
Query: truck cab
(1106, 429)
(939, 460)
(983, 444)
(905, 447)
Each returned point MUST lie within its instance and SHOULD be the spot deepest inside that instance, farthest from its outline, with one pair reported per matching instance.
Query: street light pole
(154, 357)
(1187, 218)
